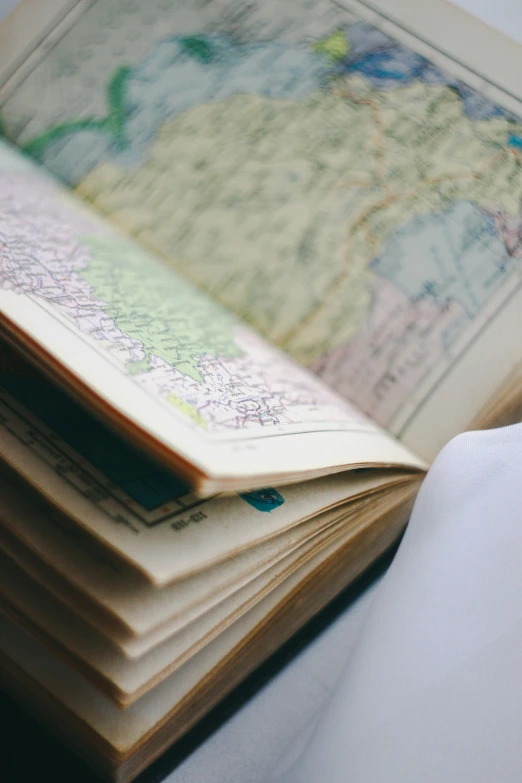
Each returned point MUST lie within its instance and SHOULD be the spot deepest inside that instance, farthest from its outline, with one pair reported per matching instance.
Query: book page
(97, 483)
(158, 358)
(115, 599)
(124, 729)
(127, 679)
(345, 175)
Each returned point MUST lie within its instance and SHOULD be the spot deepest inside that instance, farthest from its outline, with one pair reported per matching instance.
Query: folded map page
(147, 349)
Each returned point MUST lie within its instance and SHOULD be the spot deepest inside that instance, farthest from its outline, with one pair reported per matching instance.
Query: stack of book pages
(258, 264)
(129, 609)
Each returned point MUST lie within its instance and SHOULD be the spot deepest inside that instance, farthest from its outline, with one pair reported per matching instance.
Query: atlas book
(259, 263)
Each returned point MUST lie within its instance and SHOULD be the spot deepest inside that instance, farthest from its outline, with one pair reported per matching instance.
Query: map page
(348, 190)
(158, 351)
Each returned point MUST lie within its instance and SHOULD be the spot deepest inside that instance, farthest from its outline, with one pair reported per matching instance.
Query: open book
(289, 259)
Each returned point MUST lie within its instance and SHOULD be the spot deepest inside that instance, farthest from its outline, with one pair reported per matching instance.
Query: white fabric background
(6, 6)
(431, 658)
(432, 690)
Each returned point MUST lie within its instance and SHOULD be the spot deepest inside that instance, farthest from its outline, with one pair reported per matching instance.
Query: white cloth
(432, 690)
(281, 715)
(6, 6)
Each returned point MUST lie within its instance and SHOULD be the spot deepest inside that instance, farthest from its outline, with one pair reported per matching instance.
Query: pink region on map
(509, 229)
(396, 345)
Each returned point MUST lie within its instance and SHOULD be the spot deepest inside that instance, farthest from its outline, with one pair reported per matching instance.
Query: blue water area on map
(174, 78)
(388, 65)
(133, 472)
(463, 259)
(263, 499)
(514, 140)
(180, 73)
